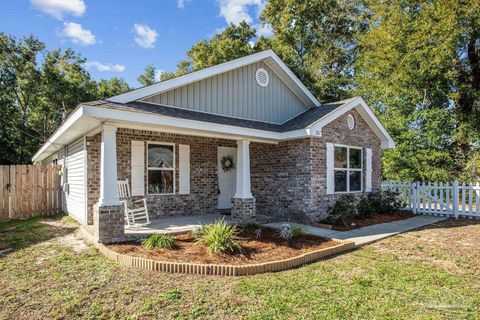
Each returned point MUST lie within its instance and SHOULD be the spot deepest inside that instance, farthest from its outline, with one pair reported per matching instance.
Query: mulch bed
(376, 219)
(269, 247)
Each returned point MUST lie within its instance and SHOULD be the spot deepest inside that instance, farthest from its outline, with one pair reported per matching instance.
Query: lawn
(425, 274)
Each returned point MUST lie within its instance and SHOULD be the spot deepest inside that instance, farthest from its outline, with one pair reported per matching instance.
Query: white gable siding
(75, 200)
(236, 94)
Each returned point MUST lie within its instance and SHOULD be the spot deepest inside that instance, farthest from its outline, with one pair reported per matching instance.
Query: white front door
(226, 179)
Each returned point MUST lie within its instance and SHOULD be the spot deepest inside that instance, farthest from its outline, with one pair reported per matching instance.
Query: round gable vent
(262, 78)
(350, 122)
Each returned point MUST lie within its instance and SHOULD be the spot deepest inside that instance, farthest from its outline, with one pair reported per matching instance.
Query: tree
(147, 78)
(112, 87)
(232, 43)
(20, 95)
(35, 97)
(418, 67)
(317, 40)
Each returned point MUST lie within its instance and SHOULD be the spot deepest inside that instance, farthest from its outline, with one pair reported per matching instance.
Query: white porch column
(243, 190)
(108, 167)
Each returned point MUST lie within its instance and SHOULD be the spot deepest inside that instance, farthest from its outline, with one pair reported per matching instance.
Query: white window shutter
(184, 168)
(138, 168)
(368, 170)
(330, 169)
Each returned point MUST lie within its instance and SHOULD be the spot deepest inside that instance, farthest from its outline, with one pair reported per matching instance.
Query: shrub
(163, 241)
(296, 232)
(285, 231)
(219, 237)
(365, 208)
(251, 229)
(343, 211)
(288, 232)
(385, 202)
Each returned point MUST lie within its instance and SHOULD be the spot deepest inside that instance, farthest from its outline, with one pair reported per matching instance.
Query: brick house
(241, 137)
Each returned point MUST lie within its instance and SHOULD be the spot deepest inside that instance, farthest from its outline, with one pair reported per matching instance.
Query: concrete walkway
(365, 235)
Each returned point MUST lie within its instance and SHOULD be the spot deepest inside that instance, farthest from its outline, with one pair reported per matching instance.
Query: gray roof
(299, 122)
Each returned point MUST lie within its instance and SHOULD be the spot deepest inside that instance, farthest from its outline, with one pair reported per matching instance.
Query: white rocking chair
(135, 211)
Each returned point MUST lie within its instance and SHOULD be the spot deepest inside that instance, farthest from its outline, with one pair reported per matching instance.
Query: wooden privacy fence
(29, 190)
(447, 199)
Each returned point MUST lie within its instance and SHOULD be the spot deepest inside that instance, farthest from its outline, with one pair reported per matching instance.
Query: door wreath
(227, 163)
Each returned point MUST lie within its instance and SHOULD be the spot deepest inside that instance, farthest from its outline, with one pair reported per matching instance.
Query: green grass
(426, 274)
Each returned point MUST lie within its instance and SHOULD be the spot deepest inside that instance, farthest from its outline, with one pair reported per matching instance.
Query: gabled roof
(268, 57)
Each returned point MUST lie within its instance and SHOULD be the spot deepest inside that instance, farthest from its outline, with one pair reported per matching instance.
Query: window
(161, 168)
(348, 169)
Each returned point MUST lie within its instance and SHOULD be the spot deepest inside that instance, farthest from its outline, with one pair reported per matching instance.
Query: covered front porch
(183, 179)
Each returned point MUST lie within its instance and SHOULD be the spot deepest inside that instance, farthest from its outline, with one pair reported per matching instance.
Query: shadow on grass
(18, 234)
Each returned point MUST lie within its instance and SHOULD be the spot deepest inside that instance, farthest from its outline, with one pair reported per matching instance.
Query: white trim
(173, 169)
(184, 169)
(64, 127)
(366, 113)
(368, 170)
(137, 164)
(167, 85)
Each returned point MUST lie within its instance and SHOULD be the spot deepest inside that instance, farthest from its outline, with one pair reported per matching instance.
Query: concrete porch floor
(183, 224)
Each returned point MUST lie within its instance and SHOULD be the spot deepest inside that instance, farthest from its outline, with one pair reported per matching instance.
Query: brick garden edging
(223, 270)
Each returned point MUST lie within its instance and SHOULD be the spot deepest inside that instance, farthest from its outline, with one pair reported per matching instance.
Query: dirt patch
(268, 247)
(376, 219)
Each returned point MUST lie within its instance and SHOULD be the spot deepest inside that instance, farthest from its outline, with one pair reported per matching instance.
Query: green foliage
(418, 66)
(232, 43)
(148, 76)
(251, 228)
(38, 88)
(219, 237)
(365, 208)
(162, 241)
(296, 232)
(385, 202)
(343, 211)
(316, 38)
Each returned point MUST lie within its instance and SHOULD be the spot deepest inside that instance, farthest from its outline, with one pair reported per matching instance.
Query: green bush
(365, 208)
(251, 228)
(343, 211)
(385, 202)
(219, 237)
(296, 232)
(163, 241)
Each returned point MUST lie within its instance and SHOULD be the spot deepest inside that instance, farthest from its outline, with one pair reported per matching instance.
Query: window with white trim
(348, 169)
(161, 168)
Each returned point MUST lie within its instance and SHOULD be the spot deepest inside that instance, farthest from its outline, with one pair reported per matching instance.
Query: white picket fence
(445, 199)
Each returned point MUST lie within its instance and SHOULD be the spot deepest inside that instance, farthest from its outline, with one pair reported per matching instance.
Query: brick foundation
(244, 210)
(108, 224)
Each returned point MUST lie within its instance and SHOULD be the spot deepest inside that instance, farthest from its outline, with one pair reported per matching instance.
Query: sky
(120, 37)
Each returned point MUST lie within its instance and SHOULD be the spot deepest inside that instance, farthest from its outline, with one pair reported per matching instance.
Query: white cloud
(77, 34)
(181, 3)
(59, 8)
(235, 11)
(146, 36)
(105, 67)
(264, 30)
